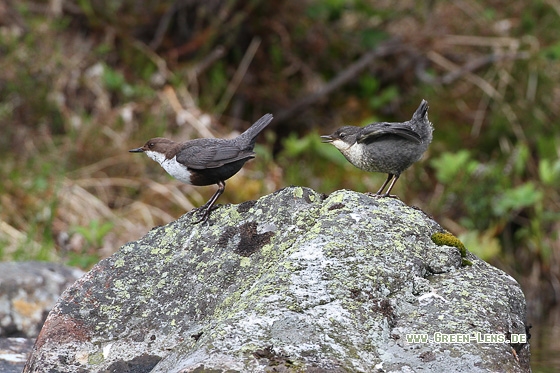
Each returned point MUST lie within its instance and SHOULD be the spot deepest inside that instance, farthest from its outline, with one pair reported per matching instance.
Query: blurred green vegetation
(81, 82)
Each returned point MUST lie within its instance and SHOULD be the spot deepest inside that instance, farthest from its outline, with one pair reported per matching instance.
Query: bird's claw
(391, 196)
(380, 195)
(204, 211)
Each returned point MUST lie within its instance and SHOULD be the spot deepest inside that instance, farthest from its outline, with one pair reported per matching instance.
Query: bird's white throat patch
(173, 168)
(341, 145)
(156, 156)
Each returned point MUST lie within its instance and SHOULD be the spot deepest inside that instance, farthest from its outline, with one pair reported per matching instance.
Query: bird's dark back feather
(200, 154)
(211, 153)
(375, 131)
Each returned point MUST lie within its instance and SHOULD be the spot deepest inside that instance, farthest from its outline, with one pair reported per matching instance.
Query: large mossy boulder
(294, 282)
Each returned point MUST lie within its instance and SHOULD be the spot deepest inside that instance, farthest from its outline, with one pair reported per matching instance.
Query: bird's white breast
(357, 155)
(173, 168)
(352, 152)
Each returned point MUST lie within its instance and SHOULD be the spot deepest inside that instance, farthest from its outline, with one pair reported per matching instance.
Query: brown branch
(163, 26)
(457, 72)
(345, 76)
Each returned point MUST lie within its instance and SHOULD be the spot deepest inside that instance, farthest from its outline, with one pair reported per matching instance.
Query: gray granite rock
(294, 282)
(28, 291)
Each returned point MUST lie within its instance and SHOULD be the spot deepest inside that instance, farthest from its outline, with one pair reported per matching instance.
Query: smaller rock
(28, 291)
(14, 353)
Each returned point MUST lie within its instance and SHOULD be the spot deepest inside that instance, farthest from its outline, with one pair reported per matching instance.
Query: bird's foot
(204, 213)
(203, 219)
(382, 195)
(391, 196)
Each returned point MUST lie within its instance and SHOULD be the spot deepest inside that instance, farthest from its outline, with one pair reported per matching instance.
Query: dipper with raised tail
(205, 161)
(385, 147)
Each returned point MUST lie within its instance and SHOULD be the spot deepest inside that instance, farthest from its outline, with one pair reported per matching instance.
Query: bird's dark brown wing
(376, 130)
(211, 153)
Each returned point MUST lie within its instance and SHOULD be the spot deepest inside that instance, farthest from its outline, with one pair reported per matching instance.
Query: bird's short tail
(422, 111)
(252, 132)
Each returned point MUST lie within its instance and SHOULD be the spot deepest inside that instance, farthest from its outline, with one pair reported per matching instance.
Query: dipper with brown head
(385, 147)
(205, 161)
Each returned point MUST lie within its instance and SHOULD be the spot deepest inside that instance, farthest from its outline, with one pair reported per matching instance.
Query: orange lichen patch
(27, 309)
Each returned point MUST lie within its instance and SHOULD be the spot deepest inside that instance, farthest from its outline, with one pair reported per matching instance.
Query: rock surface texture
(293, 282)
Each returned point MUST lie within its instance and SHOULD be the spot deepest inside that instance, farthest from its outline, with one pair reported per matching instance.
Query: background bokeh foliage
(81, 82)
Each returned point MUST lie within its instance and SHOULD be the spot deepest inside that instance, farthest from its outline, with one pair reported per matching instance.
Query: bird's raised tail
(421, 124)
(422, 110)
(250, 135)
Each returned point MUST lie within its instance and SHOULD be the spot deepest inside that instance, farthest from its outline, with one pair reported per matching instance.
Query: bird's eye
(151, 145)
(342, 135)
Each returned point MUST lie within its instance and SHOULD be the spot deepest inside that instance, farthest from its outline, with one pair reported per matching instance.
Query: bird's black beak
(327, 138)
(137, 150)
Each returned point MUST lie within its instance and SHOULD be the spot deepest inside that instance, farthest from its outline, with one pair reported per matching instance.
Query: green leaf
(95, 232)
(552, 52)
(369, 85)
(372, 37)
(517, 198)
(449, 165)
(549, 172)
(113, 80)
(485, 244)
(83, 261)
(384, 97)
(521, 159)
(294, 146)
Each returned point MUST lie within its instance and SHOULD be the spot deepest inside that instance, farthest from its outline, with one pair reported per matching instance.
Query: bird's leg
(203, 207)
(396, 177)
(389, 177)
(378, 194)
(207, 207)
